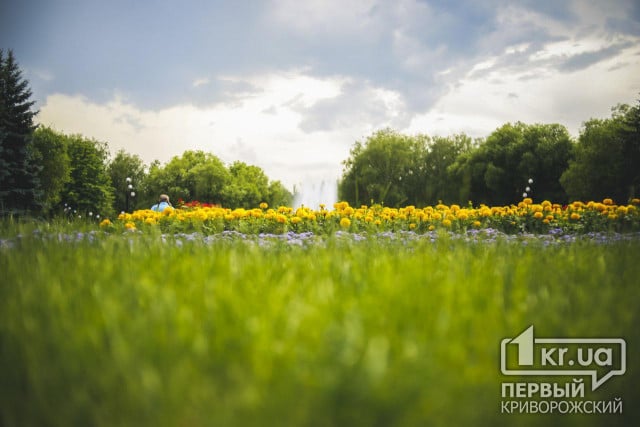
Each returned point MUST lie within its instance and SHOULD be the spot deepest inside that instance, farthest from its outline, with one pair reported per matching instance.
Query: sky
(291, 85)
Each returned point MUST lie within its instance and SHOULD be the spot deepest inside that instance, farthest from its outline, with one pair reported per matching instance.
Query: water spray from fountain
(314, 193)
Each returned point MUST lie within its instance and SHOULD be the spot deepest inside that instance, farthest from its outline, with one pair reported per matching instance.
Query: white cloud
(519, 48)
(477, 106)
(562, 74)
(323, 16)
(200, 82)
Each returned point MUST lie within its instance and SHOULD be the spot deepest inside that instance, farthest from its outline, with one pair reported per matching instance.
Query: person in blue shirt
(162, 204)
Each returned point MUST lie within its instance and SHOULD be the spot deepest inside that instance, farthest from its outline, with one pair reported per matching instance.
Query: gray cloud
(629, 22)
(130, 120)
(558, 10)
(358, 103)
(219, 90)
(587, 59)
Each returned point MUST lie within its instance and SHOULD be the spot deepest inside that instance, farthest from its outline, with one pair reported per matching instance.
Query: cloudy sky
(290, 85)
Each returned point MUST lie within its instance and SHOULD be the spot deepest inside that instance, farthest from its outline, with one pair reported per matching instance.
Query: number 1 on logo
(524, 341)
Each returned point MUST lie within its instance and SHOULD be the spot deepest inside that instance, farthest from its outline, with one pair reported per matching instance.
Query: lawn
(144, 329)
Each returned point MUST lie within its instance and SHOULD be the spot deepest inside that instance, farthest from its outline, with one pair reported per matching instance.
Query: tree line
(81, 176)
(44, 172)
(516, 160)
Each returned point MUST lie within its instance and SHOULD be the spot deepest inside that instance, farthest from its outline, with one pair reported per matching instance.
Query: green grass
(131, 331)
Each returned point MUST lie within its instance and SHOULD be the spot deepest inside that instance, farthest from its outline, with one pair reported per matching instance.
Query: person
(162, 204)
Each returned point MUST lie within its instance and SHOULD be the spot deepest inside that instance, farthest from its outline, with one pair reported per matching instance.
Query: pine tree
(19, 191)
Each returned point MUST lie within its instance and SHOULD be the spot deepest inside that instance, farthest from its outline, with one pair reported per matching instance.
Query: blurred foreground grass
(134, 331)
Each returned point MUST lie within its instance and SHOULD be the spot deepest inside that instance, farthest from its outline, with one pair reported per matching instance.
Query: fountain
(313, 193)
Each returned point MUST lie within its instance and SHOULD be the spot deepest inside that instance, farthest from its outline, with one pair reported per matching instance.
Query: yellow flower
(105, 223)
(477, 224)
(130, 226)
(538, 215)
(264, 205)
(296, 220)
(239, 213)
(446, 223)
(345, 223)
(412, 226)
(575, 216)
(607, 202)
(432, 227)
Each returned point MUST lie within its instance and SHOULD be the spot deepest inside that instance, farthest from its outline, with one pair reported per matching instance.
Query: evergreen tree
(19, 191)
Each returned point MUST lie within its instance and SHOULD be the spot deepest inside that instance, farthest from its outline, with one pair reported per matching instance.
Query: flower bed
(525, 217)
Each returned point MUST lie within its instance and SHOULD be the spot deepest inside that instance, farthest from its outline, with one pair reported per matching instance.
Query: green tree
(19, 186)
(159, 181)
(439, 183)
(208, 179)
(498, 170)
(385, 169)
(631, 150)
(504, 150)
(50, 153)
(550, 149)
(248, 186)
(606, 159)
(195, 175)
(467, 172)
(121, 167)
(278, 195)
(89, 189)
